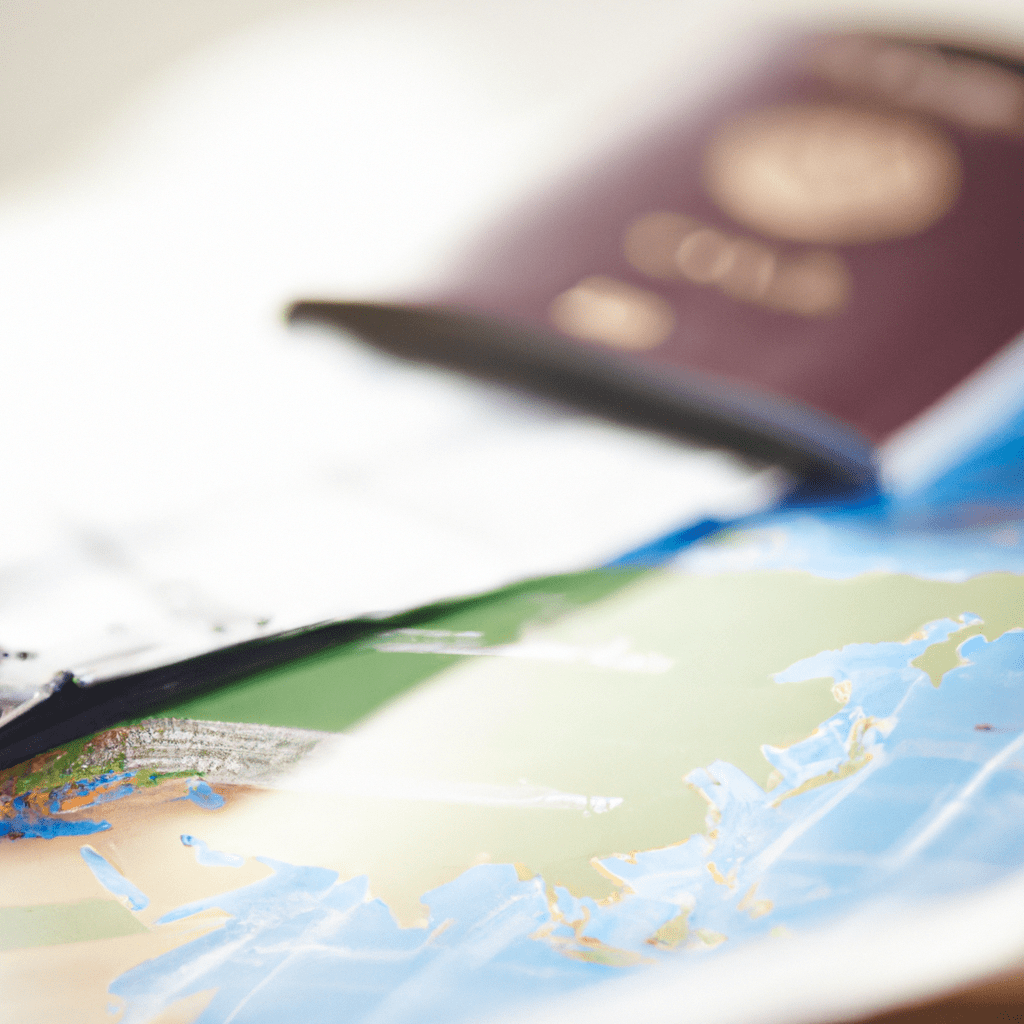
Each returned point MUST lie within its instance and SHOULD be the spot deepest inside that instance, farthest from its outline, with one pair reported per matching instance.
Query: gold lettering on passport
(811, 283)
(966, 91)
(753, 269)
(650, 242)
(613, 313)
(832, 174)
(705, 256)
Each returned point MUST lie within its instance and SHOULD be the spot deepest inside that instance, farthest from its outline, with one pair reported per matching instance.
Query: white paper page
(376, 486)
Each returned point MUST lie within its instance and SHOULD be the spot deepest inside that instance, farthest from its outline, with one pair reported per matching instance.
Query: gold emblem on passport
(671, 246)
(800, 180)
(613, 313)
(832, 174)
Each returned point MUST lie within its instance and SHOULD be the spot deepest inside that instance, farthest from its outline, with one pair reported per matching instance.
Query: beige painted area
(144, 844)
(69, 983)
(185, 1011)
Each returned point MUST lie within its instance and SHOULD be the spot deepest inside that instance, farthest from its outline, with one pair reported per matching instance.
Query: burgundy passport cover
(797, 270)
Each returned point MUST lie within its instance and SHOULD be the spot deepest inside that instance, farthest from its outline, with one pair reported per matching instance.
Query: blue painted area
(663, 548)
(101, 788)
(106, 796)
(200, 793)
(992, 474)
(20, 821)
(845, 541)
(846, 544)
(212, 858)
(304, 945)
(113, 881)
